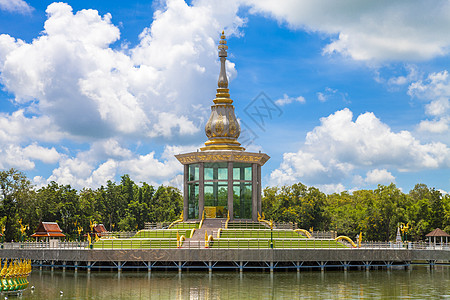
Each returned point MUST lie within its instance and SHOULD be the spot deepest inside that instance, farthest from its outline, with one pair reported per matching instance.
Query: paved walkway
(198, 239)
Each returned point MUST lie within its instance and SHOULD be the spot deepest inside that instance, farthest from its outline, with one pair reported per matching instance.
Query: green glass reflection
(193, 195)
(194, 172)
(216, 171)
(216, 194)
(242, 200)
(242, 171)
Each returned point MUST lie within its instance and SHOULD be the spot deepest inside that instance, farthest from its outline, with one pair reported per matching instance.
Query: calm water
(418, 283)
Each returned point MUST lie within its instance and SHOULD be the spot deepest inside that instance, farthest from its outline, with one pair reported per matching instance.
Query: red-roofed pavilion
(48, 230)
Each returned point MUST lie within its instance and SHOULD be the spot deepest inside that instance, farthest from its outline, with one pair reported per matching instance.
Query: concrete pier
(238, 259)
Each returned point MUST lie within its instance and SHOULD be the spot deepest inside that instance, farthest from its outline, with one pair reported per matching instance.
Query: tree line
(127, 206)
(376, 213)
(120, 206)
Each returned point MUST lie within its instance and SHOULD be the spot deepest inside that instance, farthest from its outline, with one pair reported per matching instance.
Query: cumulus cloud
(288, 100)
(18, 6)
(13, 156)
(106, 159)
(435, 90)
(378, 176)
(87, 88)
(412, 75)
(372, 30)
(340, 148)
(74, 83)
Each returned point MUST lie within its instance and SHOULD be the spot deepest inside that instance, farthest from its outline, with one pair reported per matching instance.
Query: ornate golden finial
(222, 128)
(223, 80)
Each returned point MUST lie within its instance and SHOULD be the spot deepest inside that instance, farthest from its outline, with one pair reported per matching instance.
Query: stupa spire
(223, 80)
(222, 128)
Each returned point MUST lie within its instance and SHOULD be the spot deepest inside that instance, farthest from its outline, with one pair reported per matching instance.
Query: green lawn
(182, 225)
(136, 243)
(259, 233)
(162, 233)
(246, 225)
(278, 243)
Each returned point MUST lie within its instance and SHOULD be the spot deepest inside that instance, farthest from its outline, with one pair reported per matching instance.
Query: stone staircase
(198, 239)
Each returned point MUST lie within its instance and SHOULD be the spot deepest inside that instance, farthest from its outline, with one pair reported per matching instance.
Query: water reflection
(416, 284)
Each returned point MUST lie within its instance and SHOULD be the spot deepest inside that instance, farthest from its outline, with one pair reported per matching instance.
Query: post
(254, 192)
(271, 234)
(259, 189)
(230, 190)
(201, 188)
(186, 193)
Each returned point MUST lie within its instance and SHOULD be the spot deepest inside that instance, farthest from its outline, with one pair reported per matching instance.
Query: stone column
(230, 189)
(186, 193)
(201, 188)
(259, 190)
(254, 192)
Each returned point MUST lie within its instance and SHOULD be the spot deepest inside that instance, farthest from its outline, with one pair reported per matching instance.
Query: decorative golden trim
(222, 147)
(232, 125)
(222, 100)
(220, 141)
(231, 155)
(219, 126)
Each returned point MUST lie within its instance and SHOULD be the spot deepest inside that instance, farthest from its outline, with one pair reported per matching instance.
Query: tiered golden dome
(222, 128)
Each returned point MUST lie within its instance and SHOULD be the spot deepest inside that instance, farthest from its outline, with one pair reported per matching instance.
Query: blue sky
(359, 91)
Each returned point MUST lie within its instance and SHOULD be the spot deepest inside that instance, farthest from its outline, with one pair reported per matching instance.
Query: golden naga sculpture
(14, 277)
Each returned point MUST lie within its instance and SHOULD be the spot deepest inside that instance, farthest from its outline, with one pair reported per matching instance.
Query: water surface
(418, 283)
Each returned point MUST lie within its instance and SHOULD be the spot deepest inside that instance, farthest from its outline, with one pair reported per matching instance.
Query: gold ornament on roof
(222, 128)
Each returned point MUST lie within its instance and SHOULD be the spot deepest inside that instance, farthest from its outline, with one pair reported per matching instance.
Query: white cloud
(435, 89)
(14, 156)
(48, 156)
(340, 148)
(378, 176)
(321, 96)
(72, 84)
(328, 94)
(106, 159)
(19, 6)
(331, 188)
(369, 30)
(89, 89)
(435, 126)
(288, 100)
(17, 128)
(413, 74)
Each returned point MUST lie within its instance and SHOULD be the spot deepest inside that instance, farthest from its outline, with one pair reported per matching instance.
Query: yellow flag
(89, 239)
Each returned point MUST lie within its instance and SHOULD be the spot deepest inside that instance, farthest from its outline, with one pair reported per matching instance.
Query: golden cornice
(223, 156)
(214, 141)
(221, 147)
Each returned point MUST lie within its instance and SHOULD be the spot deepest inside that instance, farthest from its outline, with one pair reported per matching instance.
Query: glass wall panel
(194, 172)
(242, 200)
(193, 200)
(216, 195)
(209, 194)
(242, 171)
(216, 188)
(216, 171)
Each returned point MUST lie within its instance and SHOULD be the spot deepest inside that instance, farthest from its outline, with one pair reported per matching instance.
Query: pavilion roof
(100, 228)
(438, 232)
(48, 229)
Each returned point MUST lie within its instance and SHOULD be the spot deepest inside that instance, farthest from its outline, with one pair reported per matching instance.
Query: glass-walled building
(221, 187)
(222, 178)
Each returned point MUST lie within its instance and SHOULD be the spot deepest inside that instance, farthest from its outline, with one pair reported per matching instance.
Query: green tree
(15, 188)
